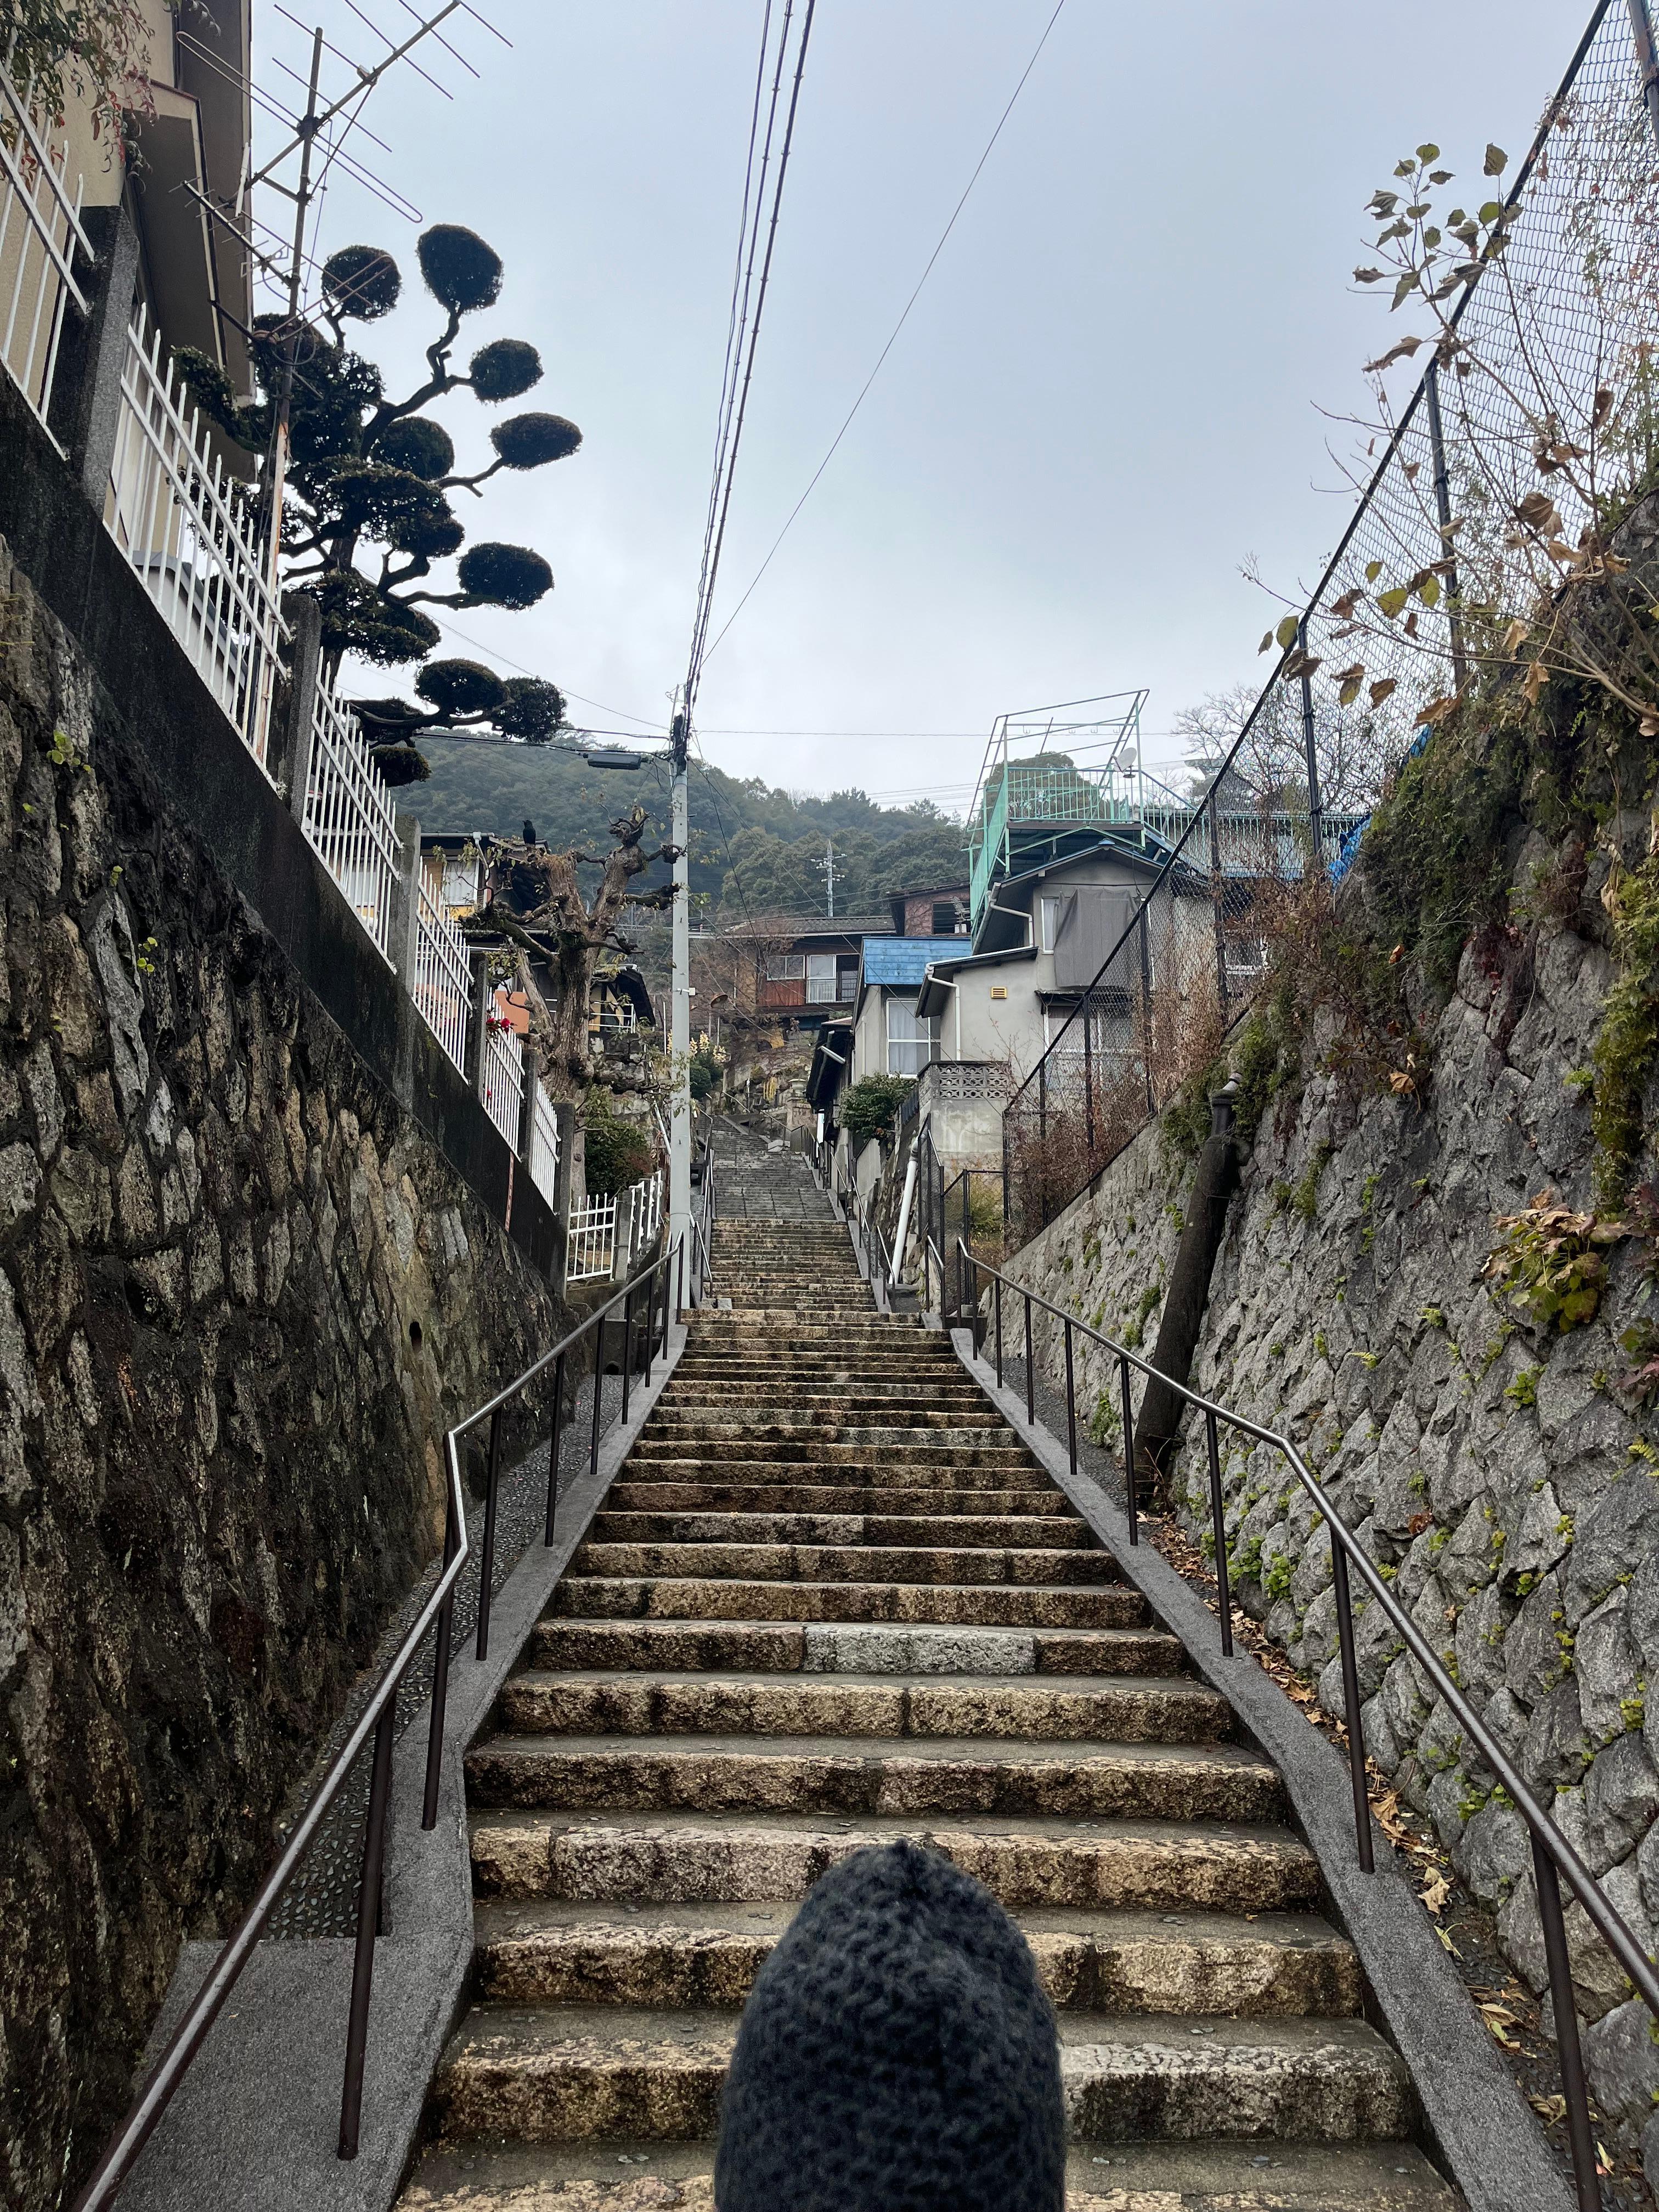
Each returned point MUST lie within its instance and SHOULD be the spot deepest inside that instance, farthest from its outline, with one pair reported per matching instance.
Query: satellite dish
(1126, 759)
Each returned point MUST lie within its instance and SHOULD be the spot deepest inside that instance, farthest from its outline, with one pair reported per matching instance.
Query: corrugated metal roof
(902, 962)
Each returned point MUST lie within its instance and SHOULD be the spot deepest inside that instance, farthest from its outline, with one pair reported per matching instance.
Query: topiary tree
(366, 512)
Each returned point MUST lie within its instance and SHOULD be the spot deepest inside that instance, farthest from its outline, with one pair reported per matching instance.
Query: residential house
(946, 912)
(803, 977)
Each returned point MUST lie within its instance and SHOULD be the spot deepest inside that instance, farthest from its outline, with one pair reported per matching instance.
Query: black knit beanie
(897, 2054)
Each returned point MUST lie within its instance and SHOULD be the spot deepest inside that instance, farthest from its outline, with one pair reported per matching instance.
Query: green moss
(1304, 1198)
(1367, 1200)
(1104, 1422)
(1523, 1391)
(1627, 1042)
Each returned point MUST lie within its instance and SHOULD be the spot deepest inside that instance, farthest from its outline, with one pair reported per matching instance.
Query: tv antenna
(316, 140)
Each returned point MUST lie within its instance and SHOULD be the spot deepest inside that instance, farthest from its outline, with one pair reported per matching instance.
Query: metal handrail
(378, 1717)
(1550, 1849)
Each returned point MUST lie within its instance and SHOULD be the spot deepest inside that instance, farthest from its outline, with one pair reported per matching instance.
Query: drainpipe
(904, 1212)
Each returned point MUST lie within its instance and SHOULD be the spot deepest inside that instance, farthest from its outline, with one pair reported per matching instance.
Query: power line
(897, 327)
(727, 446)
(518, 668)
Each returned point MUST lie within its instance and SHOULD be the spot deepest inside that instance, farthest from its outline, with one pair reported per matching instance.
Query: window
(945, 919)
(912, 1042)
(1110, 1038)
(784, 967)
(820, 979)
(847, 983)
(1049, 923)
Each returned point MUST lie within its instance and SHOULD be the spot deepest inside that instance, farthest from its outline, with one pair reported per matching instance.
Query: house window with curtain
(912, 1042)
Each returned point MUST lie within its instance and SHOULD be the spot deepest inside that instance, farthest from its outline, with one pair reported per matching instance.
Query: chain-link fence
(1533, 428)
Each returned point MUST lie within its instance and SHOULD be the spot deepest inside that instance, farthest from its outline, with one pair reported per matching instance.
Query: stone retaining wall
(241, 1293)
(1496, 1471)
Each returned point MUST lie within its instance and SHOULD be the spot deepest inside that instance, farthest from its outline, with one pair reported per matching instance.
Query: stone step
(576, 2072)
(775, 1647)
(630, 2176)
(840, 1774)
(963, 1605)
(899, 1426)
(861, 1563)
(934, 1451)
(1010, 1531)
(1038, 1497)
(547, 1951)
(1126, 1864)
(990, 1709)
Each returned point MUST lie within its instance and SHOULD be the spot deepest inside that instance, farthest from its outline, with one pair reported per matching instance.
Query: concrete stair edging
(255, 2122)
(1486, 2136)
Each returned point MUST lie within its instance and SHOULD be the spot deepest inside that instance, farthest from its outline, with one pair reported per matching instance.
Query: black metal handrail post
(1554, 1857)
(1218, 1519)
(557, 1423)
(487, 1558)
(369, 1926)
(1131, 1500)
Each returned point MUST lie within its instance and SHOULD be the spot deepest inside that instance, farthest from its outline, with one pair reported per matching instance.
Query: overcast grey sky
(1105, 400)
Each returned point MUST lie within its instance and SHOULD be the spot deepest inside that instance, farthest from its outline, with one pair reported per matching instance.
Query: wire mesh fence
(1533, 428)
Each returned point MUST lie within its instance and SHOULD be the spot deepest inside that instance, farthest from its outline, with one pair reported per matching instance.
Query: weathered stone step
(1011, 1531)
(839, 1774)
(935, 1449)
(786, 1647)
(898, 1427)
(1188, 2177)
(1015, 1709)
(687, 1391)
(576, 2071)
(549, 1951)
(1038, 1497)
(1127, 1864)
(966, 1605)
(863, 1563)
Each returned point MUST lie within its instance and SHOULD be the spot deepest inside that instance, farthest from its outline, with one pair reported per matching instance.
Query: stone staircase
(831, 1599)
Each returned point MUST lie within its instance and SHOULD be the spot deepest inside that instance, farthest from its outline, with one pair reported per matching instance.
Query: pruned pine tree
(366, 509)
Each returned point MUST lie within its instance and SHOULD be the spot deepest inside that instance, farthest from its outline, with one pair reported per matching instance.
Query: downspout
(904, 1210)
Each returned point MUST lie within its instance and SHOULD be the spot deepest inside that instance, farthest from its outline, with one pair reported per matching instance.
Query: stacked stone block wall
(241, 1294)
(1503, 1482)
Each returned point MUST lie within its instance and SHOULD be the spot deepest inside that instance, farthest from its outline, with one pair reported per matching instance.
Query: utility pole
(830, 873)
(679, 1023)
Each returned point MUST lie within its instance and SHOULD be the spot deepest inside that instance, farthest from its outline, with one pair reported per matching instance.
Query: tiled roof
(903, 961)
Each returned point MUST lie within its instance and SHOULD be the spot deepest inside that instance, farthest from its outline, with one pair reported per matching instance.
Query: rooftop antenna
(317, 135)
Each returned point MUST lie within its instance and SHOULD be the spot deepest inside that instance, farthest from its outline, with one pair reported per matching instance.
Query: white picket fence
(502, 1087)
(350, 821)
(191, 536)
(591, 1240)
(40, 232)
(544, 1146)
(644, 1212)
(443, 974)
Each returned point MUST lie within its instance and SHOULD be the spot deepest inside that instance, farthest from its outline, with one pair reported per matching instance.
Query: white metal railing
(591, 1243)
(349, 817)
(544, 1146)
(622, 1020)
(502, 1085)
(191, 537)
(40, 232)
(644, 1212)
(443, 974)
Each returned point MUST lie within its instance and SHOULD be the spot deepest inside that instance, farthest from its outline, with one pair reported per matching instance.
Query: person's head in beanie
(897, 2054)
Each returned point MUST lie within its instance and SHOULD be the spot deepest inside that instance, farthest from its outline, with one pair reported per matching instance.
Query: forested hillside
(739, 828)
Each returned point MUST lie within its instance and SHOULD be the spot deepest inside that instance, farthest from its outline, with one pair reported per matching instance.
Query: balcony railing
(40, 234)
(350, 819)
(191, 536)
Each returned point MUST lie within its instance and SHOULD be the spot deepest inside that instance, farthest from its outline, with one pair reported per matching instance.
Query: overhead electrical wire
(893, 340)
(740, 370)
